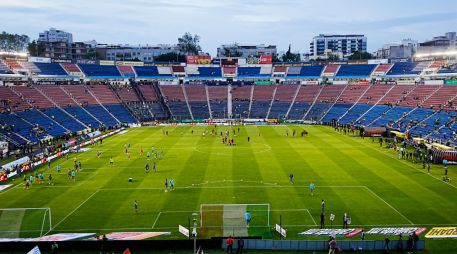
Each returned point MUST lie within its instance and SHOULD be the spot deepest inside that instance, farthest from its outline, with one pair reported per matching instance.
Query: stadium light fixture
(441, 53)
(21, 54)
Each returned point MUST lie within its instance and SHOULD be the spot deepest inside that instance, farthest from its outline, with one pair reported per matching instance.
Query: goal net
(218, 220)
(24, 222)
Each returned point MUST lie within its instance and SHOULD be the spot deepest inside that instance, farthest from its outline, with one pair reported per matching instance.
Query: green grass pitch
(352, 175)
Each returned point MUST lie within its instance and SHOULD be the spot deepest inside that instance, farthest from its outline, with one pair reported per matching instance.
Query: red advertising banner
(199, 59)
(266, 59)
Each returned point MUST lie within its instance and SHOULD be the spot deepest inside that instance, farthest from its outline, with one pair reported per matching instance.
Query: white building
(145, 53)
(54, 35)
(342, 45)
(245, 50)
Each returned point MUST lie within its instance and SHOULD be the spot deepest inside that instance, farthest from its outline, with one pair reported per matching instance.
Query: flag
(35, 250)
(126, 251)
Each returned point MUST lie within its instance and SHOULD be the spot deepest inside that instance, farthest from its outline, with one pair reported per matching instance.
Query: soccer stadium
(221, 154)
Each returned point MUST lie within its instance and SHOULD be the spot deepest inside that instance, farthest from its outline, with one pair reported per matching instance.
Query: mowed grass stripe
(427, 203)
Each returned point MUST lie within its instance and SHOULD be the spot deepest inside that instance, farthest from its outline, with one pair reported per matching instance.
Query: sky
(279, 22)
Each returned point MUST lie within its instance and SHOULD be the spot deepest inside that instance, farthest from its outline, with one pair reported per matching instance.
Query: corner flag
(126, 251)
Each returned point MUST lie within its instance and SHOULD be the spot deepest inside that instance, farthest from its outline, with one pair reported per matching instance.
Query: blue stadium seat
(52, 69)
(100, 71)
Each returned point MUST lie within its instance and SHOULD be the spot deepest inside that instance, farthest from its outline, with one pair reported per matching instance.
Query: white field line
(229, 187)
(3, 192)
(290, 226)
(74, 210)
(157, 218)
(315, 224)
(385, 202)
(388, 153)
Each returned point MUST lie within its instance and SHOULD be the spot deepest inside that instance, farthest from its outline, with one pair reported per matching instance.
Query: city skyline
(248, 22)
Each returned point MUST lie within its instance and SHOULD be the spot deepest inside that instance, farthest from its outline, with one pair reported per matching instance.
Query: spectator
(332, 246)
(229, 242)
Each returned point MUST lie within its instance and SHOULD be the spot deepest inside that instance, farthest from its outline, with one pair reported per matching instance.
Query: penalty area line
(157, 218)
(74, 210)
(385, 202)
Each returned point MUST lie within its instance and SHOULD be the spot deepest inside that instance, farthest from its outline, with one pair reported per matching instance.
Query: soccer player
(128, 155)
(311, 189)
(166, 184)
(146, 167)
(58, 168)
(27, 184)
(291, 178)
(172, 184)
(50, 179)
(111, 161)
(73, 175)
(148, 154)
(135, 206)
(323, 206)
(141, 151)
(79, 165)
(247, 216)
(345, 220)
(154, 168)
(249, 139)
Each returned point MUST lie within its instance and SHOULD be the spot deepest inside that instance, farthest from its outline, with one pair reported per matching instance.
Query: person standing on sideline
(345, 220)
(166, 184)
(229, 242)
(135, 206)
(332, 246)
(323, 206)
(247, 216)
(240, 241)
(322, 220)
(291, 178)
(311, 189)
(146, 167)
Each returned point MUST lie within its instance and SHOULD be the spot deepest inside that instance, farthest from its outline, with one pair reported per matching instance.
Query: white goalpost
(29, 222)
(229, 219)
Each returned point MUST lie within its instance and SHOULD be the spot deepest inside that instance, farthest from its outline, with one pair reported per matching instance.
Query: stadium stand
(382, 69)
(126, 71)
(282, 101)
(403, 68)
(71, 69)
(261, 100)
(198, 101)
(355, 70)
(324, 101)
(218, 101)
(305, 97)
(100, 71)
(51, 69)
(4, 68)
(241, 97)
(174, 97)
(331, 70)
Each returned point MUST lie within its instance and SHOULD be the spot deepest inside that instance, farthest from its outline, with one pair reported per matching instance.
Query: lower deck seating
(121, 113)
(63, 119)
(279, 109)
(83, 116)
(40, 121)
(102, 115)
(199, 109)
(179, 110)
(240, 109)
(298, 110)
(335, 112)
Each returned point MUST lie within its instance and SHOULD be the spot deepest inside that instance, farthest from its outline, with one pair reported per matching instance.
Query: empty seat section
(389, 117)
(100, 71)
(218, 100)
(330, 70)
(174, 97)
(33, 97)
(56, 94)
(382, 69)
(64, 119)
(126, 71)
(83, 116)
(196, 96)
(325, 100)
(104, 94)
(12, 102)
(81, 94)
(52, 69)
(120, 112)
(127, 93)
(405, 68)
(283, 98)
(305, 98)
(261, 100)
(441, 98)
(416, 96)
(39, 120)
(355, 70)
(241, 97)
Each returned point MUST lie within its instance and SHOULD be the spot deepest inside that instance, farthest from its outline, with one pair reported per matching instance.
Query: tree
(360, 55)
(189, 44)
(13, 42)
(36, 48)
(290, 57)
(92, 54)
(333, 57)
(171, 57)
